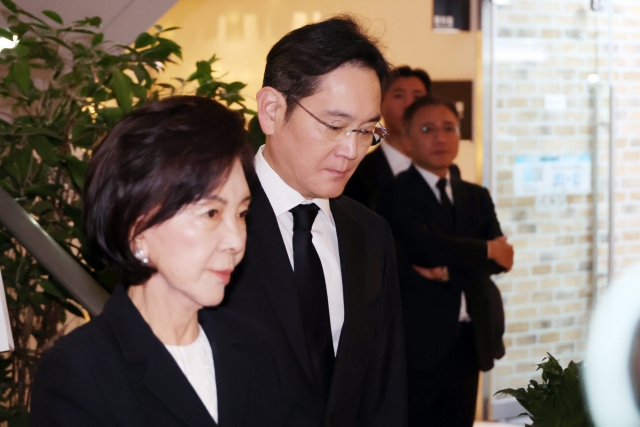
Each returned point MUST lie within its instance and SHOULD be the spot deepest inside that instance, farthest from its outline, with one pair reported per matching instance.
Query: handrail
(53, 258)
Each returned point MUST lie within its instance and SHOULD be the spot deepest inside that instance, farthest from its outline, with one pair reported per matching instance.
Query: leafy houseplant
(66, 87)
(556, 402)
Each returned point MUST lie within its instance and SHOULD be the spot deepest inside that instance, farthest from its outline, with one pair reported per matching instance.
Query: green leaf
(77, 169)
(72, 308)
(48, 190)
(54, 16)
(234, 87)
(97, 39)
(21, 74)
(6, 34)
(50, 288)
(171, 46)
(10, 5)
(203, 71)
(94, 21)
(140, 92)
(39, 131)
(41, 206)
(166, 30)
(144, 40)
(110, 116)
(44, 149)
(17, 165)
(84, 133)
(121, 86)
(22, 50)
(19, 29)
(19, 420)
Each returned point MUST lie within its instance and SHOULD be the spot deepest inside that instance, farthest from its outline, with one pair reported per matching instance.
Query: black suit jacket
(370, 179)
(431, 308)
(369, 377)
(114, 371)
(374, 176)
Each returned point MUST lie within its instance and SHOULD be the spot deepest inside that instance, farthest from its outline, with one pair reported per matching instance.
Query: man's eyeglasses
(337, 130)
(447, 130)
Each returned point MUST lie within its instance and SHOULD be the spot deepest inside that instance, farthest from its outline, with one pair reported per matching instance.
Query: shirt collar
(397, 160)
(432, 179)
(280, 195)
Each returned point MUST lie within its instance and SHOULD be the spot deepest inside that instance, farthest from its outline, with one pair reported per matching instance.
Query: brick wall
(549, 48)
(626, 77)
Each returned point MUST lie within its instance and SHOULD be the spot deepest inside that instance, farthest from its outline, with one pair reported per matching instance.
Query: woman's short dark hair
(156, 160)
(296, 63)
(406, 71)
(426, 101)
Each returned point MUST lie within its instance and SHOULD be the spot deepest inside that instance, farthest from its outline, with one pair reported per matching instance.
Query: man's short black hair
(156, 160)
(406, 71)
(426, 101)
(296, 63)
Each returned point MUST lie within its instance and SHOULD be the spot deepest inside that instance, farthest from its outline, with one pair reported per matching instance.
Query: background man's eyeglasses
(448, 130)
(337, 130)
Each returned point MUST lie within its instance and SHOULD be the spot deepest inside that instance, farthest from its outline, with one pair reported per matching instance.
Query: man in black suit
(319, 271)
(449, 243)
(391, 156)
(380, 166)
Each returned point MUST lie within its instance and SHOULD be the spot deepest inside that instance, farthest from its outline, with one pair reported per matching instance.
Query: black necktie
(312, 291)
(445, 203)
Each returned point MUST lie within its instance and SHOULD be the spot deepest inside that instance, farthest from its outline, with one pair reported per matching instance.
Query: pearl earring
(141, 256)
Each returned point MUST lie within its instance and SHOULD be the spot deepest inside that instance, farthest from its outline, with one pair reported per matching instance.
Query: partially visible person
(320, 270)
(164, 204)
(449, 243)
(377, 169)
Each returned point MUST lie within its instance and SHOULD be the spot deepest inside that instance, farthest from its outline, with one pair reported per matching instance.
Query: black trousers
(446, 395)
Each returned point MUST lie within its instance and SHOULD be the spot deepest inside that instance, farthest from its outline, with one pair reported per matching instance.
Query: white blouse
(196, 362)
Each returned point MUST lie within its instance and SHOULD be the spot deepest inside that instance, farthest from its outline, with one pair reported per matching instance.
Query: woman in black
(165, 201)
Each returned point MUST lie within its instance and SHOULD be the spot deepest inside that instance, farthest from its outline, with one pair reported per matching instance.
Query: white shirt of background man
(397, 161)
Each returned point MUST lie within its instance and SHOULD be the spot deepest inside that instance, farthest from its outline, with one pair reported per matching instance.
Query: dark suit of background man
(328, 298)
(449, 244)
(380, 166)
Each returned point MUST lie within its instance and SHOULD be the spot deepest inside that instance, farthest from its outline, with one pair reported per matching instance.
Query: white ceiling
(122, 20)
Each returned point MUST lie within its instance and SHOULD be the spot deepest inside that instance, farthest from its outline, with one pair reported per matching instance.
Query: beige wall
(241, 32)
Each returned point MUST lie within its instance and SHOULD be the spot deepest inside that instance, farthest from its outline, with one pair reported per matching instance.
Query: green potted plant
(558, 401)
(66, 87)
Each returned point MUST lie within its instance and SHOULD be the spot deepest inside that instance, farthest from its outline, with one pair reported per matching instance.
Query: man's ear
(271, 108)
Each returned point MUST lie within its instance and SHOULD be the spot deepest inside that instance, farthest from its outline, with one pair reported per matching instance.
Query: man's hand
(501, 252)
(435, 273)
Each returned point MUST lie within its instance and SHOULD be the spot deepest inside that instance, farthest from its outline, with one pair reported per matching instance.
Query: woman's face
(197, 249)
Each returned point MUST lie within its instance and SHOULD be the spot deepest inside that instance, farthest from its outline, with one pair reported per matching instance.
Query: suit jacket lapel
(162, 376)
(268, 256)
(382, 168)
(232, 378)
(425, 198)
(460, 207)
(353, 265)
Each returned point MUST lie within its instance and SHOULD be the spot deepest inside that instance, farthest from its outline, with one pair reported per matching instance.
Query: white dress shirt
(324, 236)
(196, 362)
(432, 180)
(397, 160)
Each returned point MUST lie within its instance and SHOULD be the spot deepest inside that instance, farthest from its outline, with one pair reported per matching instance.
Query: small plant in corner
(556, 402)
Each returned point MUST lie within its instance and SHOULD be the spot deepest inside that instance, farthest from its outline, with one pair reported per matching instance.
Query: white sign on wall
(562, 175)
